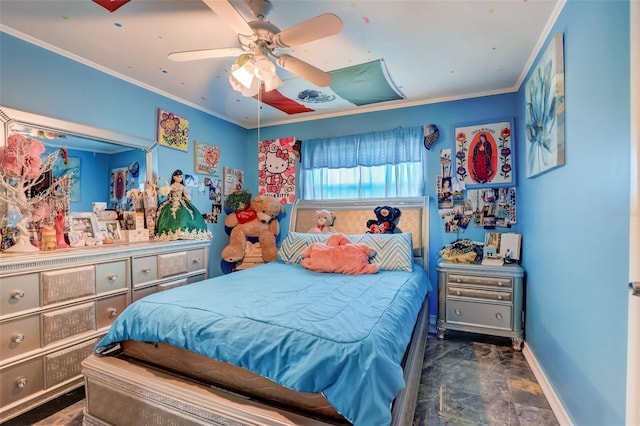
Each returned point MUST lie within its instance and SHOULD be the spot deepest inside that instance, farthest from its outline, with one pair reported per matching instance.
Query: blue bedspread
(341, 335)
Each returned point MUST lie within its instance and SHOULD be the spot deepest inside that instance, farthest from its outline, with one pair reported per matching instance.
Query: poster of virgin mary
(484, 154)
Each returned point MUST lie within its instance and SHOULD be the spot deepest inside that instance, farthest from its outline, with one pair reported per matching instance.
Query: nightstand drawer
(479, 314)
(503, 296)
(478, 280)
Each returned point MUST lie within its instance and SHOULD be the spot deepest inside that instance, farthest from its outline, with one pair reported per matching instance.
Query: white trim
(555, 403)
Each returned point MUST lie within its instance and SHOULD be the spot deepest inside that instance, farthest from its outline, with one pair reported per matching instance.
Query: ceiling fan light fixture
(244, 73)
(273, 83)
(264, 69)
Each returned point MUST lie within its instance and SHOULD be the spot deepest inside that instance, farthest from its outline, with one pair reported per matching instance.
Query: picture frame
(207, 159)
(172, 130)
(110, 229)
(83, 229)
(233, 180)
(544, 111)
(484, 154)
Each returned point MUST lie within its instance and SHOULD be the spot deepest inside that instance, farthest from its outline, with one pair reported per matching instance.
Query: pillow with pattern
(295, 243)
(394, 252)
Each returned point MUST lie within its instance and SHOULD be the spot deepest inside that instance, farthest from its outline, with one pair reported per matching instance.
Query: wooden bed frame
(122, 391)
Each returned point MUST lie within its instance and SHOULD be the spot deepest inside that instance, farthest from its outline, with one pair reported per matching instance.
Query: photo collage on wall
(461, 207)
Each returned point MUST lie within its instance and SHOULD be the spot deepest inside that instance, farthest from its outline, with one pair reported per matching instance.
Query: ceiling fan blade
(321, 26)
(194, 55)
(305, 70)
(230, 16)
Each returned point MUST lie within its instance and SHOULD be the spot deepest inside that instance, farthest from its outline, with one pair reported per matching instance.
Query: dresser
(56, 306)
(481, 299)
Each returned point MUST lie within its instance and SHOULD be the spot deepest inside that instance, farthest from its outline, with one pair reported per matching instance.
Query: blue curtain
(375, 164)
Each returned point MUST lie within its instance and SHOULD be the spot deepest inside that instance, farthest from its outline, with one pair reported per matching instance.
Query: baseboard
(547, 389)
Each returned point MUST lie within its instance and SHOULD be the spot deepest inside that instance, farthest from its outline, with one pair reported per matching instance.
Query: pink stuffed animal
(339, 255)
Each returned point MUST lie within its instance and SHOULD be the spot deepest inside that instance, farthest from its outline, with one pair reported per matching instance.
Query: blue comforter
(341, 335)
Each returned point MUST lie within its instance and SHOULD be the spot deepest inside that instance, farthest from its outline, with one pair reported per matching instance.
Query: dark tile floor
(467, 379)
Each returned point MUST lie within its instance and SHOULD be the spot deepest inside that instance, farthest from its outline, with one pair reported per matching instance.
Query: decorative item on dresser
(481, 299)
(56, 305)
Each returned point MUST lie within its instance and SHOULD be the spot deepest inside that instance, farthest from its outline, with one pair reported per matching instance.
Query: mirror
(102, 165)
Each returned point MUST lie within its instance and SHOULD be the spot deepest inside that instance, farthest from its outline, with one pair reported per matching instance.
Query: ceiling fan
(260, 39)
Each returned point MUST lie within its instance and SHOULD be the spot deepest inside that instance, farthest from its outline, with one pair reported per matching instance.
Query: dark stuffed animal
(387, 219)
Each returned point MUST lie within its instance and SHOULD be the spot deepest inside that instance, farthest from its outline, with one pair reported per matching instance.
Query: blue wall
(576, 222)
(574, 219)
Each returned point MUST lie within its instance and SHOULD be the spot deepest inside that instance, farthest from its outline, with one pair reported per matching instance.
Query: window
(377, 164)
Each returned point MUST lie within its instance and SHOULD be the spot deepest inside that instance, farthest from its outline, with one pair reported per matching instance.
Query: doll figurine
(178, 218)
(59, 227)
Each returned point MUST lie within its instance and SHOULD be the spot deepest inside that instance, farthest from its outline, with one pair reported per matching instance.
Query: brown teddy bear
(339, 255)
(260, 221)
(324, 222)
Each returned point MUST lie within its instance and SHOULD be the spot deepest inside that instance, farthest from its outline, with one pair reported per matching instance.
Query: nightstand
(481, 299)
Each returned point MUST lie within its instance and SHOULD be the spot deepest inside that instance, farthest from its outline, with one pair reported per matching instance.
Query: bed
(277, 344)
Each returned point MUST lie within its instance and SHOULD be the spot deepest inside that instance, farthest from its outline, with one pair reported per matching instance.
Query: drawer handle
(458, 280)
(458, 292)
(18, 338)
(113, 312)
(21, 382)
(499, 297)
(112, 277)
(196, 260)
(500, 284)
(146, 270)
(499, 316)
(17, 294)
(458, 312)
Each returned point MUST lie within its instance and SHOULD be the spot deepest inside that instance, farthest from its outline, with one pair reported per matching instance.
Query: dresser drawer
(172, 264)
(65, 364)
(67, 284)
(19, 336)
(144, 269)
(63, 323)
(487, 281)
(111, 276)
(143, 292)
(195, 260)
(107, 310)
(172, 284)
(196, 278)
(479, 314)
(20, 381)
(19, 293)
(474, 293)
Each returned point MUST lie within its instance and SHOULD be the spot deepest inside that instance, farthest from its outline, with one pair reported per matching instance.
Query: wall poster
(484, 154)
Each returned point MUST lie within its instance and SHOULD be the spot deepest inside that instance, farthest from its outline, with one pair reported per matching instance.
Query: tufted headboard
(352, 216)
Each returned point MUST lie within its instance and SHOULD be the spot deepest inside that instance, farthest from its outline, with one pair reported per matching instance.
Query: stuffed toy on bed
(387, 219)
(339, 255)
(324, 222)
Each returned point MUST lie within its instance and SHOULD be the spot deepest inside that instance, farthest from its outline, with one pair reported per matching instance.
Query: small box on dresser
(481, 299)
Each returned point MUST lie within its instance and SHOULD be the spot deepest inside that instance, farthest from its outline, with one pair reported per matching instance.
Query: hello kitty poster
(277, 169)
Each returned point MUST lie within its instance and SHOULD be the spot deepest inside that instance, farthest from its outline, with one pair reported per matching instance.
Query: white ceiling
(434, 50)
